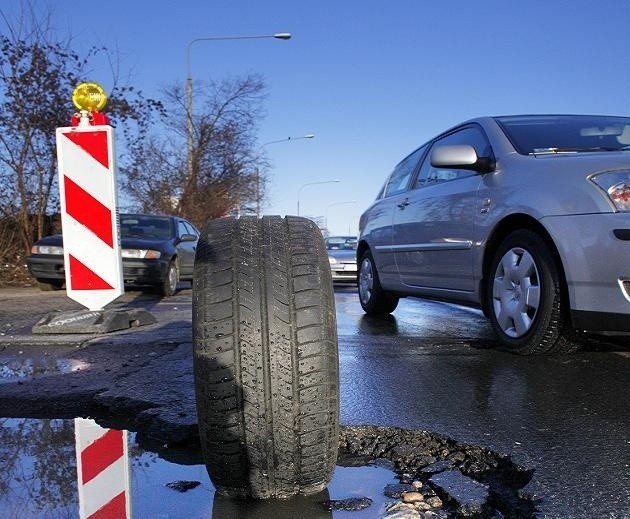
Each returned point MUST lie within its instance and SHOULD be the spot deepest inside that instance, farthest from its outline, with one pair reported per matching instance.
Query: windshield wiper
(558, 151)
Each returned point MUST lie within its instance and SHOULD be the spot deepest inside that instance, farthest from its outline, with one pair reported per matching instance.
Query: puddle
(15, 369)
(38, 467)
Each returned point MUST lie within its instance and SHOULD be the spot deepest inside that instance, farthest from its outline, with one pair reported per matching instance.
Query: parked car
(156, 251)
(527, 217)
(342, 255)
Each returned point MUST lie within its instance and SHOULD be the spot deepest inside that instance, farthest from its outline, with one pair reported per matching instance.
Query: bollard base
(93, 321)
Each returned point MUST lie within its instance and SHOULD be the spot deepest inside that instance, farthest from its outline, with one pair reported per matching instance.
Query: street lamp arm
(278, 36)
(307, 136)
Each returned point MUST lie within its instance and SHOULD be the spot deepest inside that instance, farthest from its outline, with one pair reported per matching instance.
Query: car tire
(526, 303)
(265, 356)
(170, 282)
(374, 300)
(48, 285)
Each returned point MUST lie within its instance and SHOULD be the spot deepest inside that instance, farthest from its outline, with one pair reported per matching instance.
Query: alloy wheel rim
(516, 292)
(366, 281)
(172, 278)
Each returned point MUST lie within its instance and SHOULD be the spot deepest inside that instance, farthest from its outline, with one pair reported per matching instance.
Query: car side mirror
(461, 156)
(188, 237)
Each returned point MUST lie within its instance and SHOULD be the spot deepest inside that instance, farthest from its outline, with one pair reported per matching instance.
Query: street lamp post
(332, 205)
(312, 184)
(287, 139)
(189, 115)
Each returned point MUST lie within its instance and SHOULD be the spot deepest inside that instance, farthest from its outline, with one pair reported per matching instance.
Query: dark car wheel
(373, 298)
(265, 356)
(169, 285)
(527, 307)
(48, 285)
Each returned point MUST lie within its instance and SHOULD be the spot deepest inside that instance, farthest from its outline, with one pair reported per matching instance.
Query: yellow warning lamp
(90, 97)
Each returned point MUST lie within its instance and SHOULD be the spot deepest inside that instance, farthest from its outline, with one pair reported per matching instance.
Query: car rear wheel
(527, 307)
(373, 298)
(48, 285)
(265, 356)
(169, 285)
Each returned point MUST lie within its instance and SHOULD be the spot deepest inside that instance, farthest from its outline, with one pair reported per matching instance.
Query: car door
(378, 218)
(185, 250)
(432, 228)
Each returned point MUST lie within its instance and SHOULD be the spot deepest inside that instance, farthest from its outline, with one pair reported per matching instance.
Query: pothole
(439, 477)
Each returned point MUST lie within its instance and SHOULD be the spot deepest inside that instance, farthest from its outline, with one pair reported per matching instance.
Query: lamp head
(90, 97)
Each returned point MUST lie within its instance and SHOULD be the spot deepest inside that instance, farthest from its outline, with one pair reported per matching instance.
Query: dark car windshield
(141, 226)
(549, 134)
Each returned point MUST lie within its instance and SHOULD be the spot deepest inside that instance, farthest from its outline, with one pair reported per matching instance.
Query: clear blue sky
(372, 79)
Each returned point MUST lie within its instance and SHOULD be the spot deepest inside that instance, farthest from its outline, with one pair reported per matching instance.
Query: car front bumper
(45, 266)
(595, 253)
(344, 272)
(135, 271)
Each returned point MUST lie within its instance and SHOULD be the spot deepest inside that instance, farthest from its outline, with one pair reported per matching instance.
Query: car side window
(181, 229)
(471, 135)
(399, 179)
(190, 228)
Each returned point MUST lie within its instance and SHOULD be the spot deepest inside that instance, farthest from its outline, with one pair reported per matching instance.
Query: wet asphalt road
(431, 366)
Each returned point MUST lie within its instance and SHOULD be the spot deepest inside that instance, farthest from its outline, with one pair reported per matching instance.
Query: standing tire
(169, 285)
(265, 356)
(527, 306)
(374, 300)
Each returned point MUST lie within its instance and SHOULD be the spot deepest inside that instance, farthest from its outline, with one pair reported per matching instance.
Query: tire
(170, 282)
(48, 285)
(527, 306)
(265, 356)
(374, 300)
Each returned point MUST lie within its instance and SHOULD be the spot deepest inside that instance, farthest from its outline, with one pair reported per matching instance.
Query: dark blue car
(156, 251)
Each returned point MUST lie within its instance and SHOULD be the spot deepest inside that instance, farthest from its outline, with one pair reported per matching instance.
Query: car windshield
(141, 226)
(341, 243)
(552, 134)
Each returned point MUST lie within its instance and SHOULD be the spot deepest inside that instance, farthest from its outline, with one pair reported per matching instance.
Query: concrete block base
(93, 321)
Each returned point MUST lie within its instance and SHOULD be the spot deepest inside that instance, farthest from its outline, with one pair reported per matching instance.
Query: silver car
(342, 256)
(526, 217)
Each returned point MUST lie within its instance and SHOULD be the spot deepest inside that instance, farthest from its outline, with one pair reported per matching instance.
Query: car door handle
(404, 203)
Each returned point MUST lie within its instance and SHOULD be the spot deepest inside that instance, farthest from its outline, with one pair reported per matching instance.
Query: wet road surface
(431, 366)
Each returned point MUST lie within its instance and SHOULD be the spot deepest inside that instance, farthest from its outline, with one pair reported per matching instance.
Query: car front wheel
(48, 285)
(374, 300)
(527, 307)
(169, 285)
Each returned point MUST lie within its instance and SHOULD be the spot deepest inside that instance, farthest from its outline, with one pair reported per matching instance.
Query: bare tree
(227, 172)
(38, 72)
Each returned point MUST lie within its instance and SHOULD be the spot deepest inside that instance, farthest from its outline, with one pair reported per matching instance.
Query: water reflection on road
(39, 480)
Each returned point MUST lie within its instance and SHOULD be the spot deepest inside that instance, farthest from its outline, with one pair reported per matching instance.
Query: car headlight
(140, 253)
(47, 249)
(332, 260)
(616, 185)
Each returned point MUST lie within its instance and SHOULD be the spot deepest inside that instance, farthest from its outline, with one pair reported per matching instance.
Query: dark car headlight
(141, 253)
(47, 249)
